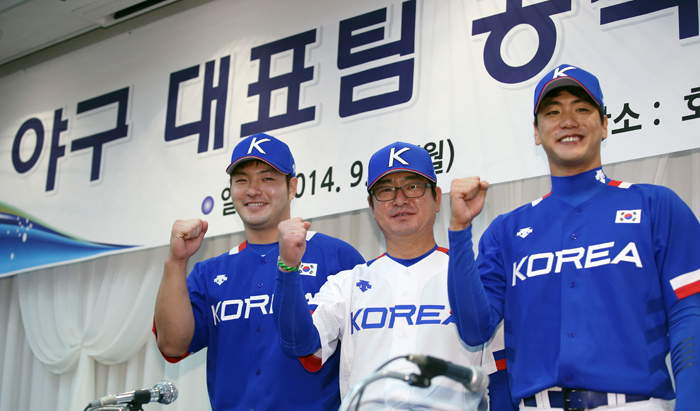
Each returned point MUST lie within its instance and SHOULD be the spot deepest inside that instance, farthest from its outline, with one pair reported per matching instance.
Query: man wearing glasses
(388, 308)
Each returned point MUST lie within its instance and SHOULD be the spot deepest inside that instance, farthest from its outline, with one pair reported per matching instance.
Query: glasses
(410, 190)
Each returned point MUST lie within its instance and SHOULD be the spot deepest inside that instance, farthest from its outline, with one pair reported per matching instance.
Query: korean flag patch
(628, 216)
(308, 269)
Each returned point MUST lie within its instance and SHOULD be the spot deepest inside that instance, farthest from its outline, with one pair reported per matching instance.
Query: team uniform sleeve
(476, 320)
(298, 336)
(684, 332)
(676, 230)
(500, 398)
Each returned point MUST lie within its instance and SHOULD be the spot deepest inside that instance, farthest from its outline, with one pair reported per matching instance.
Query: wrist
(459, 226)
(174, 262)
(287, 268)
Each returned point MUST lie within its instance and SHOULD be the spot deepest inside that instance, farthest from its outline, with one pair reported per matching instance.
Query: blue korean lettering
(211, 93)
(403, 69)
(57, 150)
(265, 85)
(539, 17)
(347, 41)
(32, 124)
(97, 141)
(688, 23)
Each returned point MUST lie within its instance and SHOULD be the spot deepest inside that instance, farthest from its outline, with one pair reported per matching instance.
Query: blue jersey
(232, 297)
(585, 278)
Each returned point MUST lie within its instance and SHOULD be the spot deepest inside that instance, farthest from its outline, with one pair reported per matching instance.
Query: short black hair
(576, 91)
(248, 163)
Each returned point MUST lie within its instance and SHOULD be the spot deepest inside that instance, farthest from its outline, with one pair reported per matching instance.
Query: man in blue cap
(598, 281)
(225, 304)
(389, 308)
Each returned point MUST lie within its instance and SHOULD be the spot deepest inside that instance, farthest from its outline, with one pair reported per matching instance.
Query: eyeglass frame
(396, 191)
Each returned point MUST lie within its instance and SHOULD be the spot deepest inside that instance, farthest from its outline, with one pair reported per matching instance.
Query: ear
(537, 134)
(292, 188)
(438, 198)
(605, 127)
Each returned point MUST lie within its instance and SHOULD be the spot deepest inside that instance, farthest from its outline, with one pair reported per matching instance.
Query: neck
(572, 170)
(407, 248)
(261, 236)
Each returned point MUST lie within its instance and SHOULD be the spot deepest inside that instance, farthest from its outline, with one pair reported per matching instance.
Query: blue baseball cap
(568, 75)
(398, 157)
(265, 148)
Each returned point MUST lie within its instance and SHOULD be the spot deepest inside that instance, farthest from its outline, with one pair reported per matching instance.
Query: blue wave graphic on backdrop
(26, 242)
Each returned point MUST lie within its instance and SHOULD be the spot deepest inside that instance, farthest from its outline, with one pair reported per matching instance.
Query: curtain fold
(74, 333)
(99, 310)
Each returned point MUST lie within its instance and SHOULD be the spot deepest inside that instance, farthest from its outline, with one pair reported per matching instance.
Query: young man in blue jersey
(597, 281)
(225, 304)
(390, 307)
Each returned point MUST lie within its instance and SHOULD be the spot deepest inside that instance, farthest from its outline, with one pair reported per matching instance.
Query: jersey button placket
(403, 333)
(571, 301)
(403, 288)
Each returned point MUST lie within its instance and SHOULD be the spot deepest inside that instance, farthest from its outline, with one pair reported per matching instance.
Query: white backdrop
(74, 332)
(71, 334)
(104, 147)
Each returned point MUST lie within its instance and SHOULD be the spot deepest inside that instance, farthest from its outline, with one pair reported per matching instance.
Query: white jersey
(382, 310)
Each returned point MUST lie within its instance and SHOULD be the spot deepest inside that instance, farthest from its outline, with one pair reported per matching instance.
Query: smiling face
(570, 130)
(405, 218)
(261, 197)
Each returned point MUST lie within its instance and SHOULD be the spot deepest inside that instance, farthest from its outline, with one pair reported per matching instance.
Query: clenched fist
(292, 239)
(467, 196)
(186, 238)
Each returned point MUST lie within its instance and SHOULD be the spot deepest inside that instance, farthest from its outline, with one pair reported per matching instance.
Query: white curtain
(74, 333)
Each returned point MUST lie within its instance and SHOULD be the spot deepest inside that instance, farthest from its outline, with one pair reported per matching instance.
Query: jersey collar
(580, 187)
